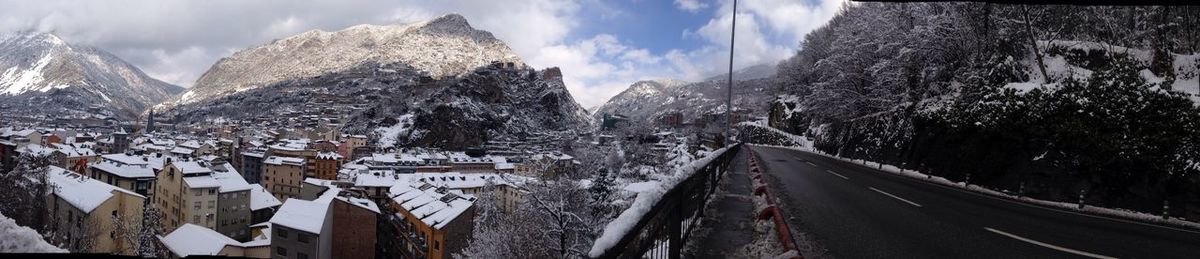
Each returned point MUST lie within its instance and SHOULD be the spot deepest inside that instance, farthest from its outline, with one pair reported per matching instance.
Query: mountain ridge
(443, 46)
(36, 64)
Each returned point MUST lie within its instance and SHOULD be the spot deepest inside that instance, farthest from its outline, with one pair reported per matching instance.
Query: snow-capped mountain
(647, 101)
(444, 46)
(438, 83)
(35, 65)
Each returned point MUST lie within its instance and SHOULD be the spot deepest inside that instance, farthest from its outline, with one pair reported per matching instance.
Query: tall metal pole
(729, 101)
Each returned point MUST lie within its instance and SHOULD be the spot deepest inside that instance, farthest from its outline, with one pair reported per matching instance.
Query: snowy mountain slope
(43, 65)
(407, 88)
(646, 101)
(444, 46)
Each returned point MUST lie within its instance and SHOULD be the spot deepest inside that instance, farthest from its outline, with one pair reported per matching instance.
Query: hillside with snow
(41, 72)
(648, 101)
(418, 81)
(1054, 101)
(440, 47)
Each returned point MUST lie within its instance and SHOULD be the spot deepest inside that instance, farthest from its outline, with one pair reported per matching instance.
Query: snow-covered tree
(25, 191)
(554, 222)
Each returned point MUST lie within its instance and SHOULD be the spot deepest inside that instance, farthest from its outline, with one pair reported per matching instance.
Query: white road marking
(1059, 248)
(894, 196)
(837, 174)
(810, 163)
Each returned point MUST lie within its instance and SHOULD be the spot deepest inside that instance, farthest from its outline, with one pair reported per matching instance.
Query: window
(212, 191)
(196, 219)
(435, 245)
(281, 251)
(303, 238)
(212, 204)
(196, 205)
(197, 192)
(281, 233)
(301, 256)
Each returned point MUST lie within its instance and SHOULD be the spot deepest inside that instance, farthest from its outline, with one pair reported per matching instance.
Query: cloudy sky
(601, 45)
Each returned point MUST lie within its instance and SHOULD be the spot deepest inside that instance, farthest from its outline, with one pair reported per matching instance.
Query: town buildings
(90, 215)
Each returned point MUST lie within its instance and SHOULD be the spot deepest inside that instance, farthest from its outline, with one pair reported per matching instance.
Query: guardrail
(664, 229)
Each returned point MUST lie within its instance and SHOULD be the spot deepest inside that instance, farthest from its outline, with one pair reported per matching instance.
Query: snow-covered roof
(231, 181)
(279, 160)
(126, 159)
(182, 151)
(36, 149)
(384, 158)
(307, 216)
(124, 170)
(261, 199)
(190, 144)
(80, 191)
(424, 202)
(253, 154)
(376, 178)
(73, 151)
(456, 180)
(361, 203)
(203, 181)
(190, 239)
(191, 167)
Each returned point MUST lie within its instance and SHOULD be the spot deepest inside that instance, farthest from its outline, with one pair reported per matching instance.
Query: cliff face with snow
(438, 83)
(444, 46)
(41, 70)
(647, 101)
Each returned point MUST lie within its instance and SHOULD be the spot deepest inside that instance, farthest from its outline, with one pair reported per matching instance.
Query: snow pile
(389, 135)
(646, 199)
(19, 239)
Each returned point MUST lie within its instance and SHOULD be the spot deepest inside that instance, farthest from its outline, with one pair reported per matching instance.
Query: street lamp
(729, 100)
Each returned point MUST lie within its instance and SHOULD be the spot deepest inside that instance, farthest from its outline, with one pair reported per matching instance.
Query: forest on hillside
(1047, 101)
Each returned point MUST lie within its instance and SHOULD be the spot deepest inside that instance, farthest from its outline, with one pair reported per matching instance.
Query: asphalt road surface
(857, 212)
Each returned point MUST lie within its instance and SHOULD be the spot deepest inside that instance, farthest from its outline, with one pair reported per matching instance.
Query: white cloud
(592, 69)
(690, 5)
(767, 31)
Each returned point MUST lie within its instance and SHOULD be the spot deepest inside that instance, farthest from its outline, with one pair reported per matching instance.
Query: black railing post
(674, 234)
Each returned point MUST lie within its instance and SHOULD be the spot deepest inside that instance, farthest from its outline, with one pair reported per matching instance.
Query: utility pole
(729, 100)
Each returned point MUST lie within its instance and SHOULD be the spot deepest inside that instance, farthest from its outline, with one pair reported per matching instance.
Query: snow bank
(18, 239)
(646, 199)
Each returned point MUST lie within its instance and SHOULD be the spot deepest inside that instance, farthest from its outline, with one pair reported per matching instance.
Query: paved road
(857, 212)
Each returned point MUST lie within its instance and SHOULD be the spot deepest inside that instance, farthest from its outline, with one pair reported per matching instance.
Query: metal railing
(664, 230)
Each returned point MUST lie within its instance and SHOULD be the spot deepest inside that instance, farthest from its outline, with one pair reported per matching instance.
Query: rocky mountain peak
(443, 46)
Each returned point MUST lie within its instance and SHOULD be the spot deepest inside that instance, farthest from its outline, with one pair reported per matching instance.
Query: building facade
(283, 176)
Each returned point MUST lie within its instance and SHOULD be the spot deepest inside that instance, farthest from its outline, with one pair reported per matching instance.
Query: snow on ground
(616, 229)
(19, 239)
(389, 135)
(1110, 212)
